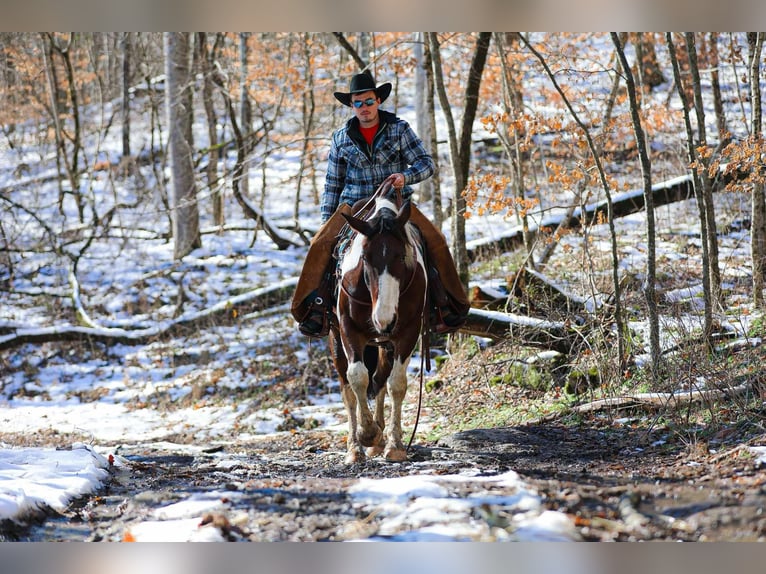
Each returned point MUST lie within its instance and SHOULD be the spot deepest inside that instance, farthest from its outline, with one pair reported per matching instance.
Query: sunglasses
(367, 102)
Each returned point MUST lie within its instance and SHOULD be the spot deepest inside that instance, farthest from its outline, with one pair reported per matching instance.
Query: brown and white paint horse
(381, 299)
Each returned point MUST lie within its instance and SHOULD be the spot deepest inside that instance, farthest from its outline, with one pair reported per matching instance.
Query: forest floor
(635, 477)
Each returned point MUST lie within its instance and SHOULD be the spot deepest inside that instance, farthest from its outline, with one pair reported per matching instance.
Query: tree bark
(126, 47)
(435, 181)
(757, 199)
(707, 192)
(205, 59)
(460, 148)
(692, 155)
(178, 106)
(646, 176)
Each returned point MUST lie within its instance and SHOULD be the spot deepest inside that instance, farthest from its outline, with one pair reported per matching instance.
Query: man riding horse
(372, 147)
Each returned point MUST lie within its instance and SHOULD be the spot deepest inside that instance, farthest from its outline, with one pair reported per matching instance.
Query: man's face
(368, 103)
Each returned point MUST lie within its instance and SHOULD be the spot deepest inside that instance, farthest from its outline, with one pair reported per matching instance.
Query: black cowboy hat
(361, 83)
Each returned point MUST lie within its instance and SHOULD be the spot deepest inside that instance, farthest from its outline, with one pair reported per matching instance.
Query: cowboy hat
(361, 83)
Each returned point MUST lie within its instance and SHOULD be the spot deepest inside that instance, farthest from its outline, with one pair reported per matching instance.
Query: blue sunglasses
(367, 102)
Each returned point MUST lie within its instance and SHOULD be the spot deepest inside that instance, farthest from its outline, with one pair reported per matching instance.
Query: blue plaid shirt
(356, 169)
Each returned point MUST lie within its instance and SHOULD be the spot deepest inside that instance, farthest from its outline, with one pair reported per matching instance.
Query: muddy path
(294, 487)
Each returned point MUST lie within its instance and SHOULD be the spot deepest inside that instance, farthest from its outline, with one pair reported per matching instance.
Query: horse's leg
(354, 449)
(383, 370)
(380, 422)
(397, 388)
(367, 433)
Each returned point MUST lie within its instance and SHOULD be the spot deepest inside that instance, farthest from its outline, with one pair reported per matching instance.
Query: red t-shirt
(369, 133)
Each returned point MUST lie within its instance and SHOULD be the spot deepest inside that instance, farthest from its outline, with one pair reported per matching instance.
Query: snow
(106, 401)
(34, 479)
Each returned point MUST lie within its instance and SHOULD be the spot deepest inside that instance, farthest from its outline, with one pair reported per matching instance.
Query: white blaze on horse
(381, 300)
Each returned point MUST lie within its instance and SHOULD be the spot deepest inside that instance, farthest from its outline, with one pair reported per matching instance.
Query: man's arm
(334, 181)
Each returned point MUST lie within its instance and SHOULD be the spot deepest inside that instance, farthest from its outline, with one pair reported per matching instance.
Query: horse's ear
(359, 225)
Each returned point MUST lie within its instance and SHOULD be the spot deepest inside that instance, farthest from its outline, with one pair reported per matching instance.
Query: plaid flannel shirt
(355, 169)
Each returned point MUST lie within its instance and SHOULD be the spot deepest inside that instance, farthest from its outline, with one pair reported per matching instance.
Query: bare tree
(421, 105)
(433, 139)
(692, 156)
(178, 106)
(245, 110)
(704, 160)
(308, 108)
(757, 199)
(713, 61)
(126, 94)
(59, 95)
(507, 132)
(619, 321)
(206, 57)
(460, 147)
(646, 177)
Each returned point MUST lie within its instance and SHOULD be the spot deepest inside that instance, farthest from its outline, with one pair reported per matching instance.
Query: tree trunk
(692, 155)
(460, 148)
(245, 112)
(205, 59)
(646, 176)
(435, 181)
(713, 61)
(126, 46)
(178, 106)
(757, 199)
(651, 72)
(707, 190)
(309, 110)
(421, 106)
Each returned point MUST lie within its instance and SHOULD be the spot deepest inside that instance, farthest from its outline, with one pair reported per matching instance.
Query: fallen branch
(627, 203)
(556, 335)
(229, 308)
(673, 400)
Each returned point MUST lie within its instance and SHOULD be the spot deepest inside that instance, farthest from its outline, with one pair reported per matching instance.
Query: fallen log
(649, 401)
(542, 296)
(228, 309)
(670, 191)
(555, 335)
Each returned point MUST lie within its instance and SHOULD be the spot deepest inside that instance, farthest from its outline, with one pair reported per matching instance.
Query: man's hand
(397, 180)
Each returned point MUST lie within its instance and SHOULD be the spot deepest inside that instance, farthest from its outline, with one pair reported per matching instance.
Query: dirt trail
(294, 487)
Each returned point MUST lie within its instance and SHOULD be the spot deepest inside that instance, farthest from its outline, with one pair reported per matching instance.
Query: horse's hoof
(395, 454)
(355, 457)
(374, 450)
(370, 438)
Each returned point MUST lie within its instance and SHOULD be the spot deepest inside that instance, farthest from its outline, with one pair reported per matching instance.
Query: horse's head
(385, 251)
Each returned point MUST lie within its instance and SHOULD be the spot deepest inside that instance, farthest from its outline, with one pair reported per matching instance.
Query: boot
(316, 323)
(445, 317)
(319, 262)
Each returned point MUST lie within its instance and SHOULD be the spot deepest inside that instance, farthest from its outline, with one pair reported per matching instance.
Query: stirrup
(445, 320)
(316, 322)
